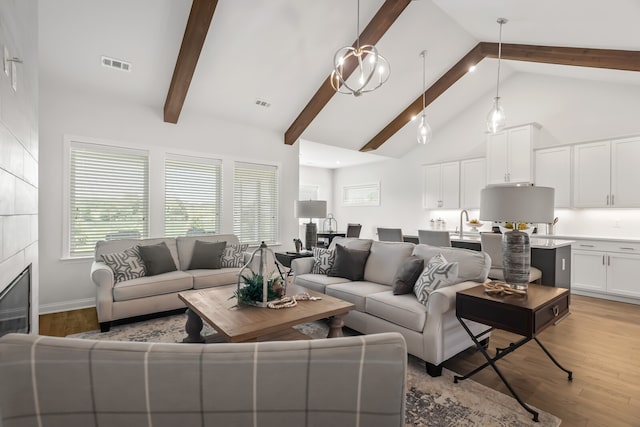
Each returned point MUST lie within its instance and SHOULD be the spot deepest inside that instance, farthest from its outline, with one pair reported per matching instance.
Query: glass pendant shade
(424, 130)
(496, 118)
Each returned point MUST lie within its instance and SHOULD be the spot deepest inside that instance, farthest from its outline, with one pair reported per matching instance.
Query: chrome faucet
(465, 213)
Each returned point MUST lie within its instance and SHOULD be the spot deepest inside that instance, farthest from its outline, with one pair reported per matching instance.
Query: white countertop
(537, 241)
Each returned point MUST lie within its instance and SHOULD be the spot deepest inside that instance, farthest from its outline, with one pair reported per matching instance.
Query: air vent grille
(116, 63)
(261, 103)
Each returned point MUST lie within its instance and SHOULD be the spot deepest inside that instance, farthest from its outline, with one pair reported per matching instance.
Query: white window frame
(352, 194)
(103, 145)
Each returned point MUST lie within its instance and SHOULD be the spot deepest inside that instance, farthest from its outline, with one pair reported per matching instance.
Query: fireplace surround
(15, 304)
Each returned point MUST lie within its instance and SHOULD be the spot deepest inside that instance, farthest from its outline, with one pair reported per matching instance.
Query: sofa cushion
(126, 265)
(323, 260)
(233, 256)
(209, 278)
(318, 282)
(157, 258)
(351, 243)
(174, 281)
(406, 276)
(437, 274)
(472, 265)
(207, 255)
(384, 260)
(403, 310)
(349, 263)
(355, 292)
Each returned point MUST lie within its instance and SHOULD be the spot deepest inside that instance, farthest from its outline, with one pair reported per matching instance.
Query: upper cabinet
(606, 174)
(553, 169)
(473, 178)
(509, 154)
(442, 186)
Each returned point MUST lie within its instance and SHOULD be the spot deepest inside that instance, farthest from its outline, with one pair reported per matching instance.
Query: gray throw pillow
(407, 274)
(207, 255)
(233, 256)
(349, 263)
(437, 274)
(126, 265)
(157, 258)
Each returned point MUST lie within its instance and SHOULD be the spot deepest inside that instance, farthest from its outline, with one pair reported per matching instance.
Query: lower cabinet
(608, 268)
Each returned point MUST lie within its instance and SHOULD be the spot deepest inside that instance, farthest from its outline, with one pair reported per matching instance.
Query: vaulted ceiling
(280, 51)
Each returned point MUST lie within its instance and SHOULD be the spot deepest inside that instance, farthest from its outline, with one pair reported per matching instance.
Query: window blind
(109, 195)
(255, 203)
(193, 192)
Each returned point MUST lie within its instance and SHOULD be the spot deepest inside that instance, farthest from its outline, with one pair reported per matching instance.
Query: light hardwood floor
(599, 342)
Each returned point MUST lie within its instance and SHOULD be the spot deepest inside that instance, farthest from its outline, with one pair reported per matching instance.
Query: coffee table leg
(193, 327)
(335, 326)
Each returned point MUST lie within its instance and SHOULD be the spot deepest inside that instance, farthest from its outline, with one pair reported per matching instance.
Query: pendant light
(496, 118)
(372, 69)
(424, 130)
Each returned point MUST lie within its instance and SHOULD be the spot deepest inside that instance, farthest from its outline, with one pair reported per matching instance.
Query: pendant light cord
(424, 78)
(500, 21)
(358, 26)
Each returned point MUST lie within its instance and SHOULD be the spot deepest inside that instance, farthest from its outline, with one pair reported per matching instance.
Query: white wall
(66, 283)
(19, 147)
(569, 111)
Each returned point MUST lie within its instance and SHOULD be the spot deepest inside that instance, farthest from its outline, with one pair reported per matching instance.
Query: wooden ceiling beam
(381, 22)
(626, 60)
(195, 34)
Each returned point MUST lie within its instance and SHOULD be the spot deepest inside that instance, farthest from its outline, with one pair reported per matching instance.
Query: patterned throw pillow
(437, 274)
(323, 260)
(126, 265)
(233, 256)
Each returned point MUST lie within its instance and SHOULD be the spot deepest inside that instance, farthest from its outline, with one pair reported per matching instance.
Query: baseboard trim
(57, 307)
(609, 297)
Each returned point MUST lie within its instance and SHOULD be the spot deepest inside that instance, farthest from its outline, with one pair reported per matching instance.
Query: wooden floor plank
(599, 342)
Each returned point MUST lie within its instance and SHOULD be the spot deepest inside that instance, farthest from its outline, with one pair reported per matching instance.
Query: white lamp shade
(311, 209)
(517, 203)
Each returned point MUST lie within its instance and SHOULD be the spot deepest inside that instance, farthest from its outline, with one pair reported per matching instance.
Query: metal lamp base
(310, 235)
(516, 261)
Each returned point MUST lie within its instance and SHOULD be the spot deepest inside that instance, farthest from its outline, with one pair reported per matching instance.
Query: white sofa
(153, 294)
(49, 381)
(432, 331)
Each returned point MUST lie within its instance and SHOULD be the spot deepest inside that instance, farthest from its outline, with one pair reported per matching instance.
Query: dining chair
(353, 230)
(390, 234)
(434, 238)
(491, 243)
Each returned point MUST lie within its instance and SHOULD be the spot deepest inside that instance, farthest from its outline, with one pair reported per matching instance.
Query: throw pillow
(126, 265)
(349, 263)
(157, 258)
(207, 255)
(233, 256)
(407, 274)
(323, 259)
(437, 274)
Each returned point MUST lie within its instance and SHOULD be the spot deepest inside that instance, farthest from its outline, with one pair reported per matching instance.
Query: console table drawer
(550, 312)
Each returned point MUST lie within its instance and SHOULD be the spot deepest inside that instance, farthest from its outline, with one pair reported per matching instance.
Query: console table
(523, 315)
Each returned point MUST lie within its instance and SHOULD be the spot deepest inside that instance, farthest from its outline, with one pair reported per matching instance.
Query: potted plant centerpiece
(257, 288)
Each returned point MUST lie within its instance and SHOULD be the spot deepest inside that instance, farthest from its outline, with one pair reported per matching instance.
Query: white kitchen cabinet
(509, 154)
(605, 174)
(442, 186)
(604, 267)
(553, 169)
(473, 178)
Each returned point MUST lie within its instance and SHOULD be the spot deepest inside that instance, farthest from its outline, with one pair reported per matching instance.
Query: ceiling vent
(262, 103)
(116, 63)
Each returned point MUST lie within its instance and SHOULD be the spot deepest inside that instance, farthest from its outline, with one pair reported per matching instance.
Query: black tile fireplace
(15, 304)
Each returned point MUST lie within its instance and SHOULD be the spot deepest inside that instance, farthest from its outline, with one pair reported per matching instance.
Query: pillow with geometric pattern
(437, 274)
(233, 256)
(126, 265)
(323, 260)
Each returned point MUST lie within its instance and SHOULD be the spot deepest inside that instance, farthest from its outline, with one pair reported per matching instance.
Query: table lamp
(311, 209)
(526, 203)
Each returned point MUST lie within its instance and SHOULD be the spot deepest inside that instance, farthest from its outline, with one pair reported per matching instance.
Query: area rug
(434, 402)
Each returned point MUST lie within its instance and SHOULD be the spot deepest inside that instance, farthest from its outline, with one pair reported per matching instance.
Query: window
(308, 192)
(361, 195)
(255, 203)
(192, 196)
(108, 197)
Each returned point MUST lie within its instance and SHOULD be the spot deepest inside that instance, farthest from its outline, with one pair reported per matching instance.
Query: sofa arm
(444, 299)
(102, 276)
(302, 265)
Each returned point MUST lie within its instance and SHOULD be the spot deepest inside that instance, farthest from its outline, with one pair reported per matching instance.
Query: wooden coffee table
(239, 323)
